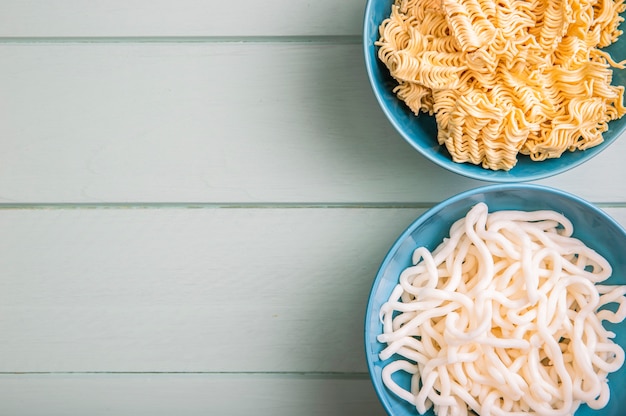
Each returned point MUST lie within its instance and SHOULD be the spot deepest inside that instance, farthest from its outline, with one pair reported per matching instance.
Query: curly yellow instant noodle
(507, 77)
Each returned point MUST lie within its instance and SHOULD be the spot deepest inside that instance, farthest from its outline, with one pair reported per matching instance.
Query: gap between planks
(335, 40)
(283, 374)
(215, 205)
(239, 205)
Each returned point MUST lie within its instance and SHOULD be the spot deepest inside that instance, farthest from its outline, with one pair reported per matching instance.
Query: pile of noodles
(504, 318)
(506, 77)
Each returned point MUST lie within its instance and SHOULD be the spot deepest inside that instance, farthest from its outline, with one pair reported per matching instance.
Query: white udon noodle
(504, 318)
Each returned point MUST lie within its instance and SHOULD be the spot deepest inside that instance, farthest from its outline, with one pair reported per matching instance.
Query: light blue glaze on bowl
(421, 131)
(591, 225)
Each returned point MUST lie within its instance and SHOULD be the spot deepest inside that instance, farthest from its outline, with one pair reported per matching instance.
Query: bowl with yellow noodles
(506, 299)
(499, 91)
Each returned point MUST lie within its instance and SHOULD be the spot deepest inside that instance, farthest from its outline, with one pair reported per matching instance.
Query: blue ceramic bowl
(591, 225)
(421, 131)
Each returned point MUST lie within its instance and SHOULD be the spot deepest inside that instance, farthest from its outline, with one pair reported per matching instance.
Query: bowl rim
(466, 169)
(419, 220)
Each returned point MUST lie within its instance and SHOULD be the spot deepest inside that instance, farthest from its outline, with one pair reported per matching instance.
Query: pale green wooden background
(195, 197)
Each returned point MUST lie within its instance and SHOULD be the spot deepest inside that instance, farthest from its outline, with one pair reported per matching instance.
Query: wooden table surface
(195, 198)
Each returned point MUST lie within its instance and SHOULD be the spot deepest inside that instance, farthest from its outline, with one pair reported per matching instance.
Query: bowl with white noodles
(506, 299)
(499, 91)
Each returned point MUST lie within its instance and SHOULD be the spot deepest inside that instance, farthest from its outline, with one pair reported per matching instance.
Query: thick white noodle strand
(504, 318)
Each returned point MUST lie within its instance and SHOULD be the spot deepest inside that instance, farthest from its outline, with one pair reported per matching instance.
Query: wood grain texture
(211, 290)
(163, 306)
(218, 122)
(186, 394)
(115, 18)
(216, 290)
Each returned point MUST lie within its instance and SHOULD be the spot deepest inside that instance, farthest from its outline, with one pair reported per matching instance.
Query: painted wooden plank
(187, 394)
(81, 18)
(618, 214)
(211, 290)
(218, 122)
(189, 289)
